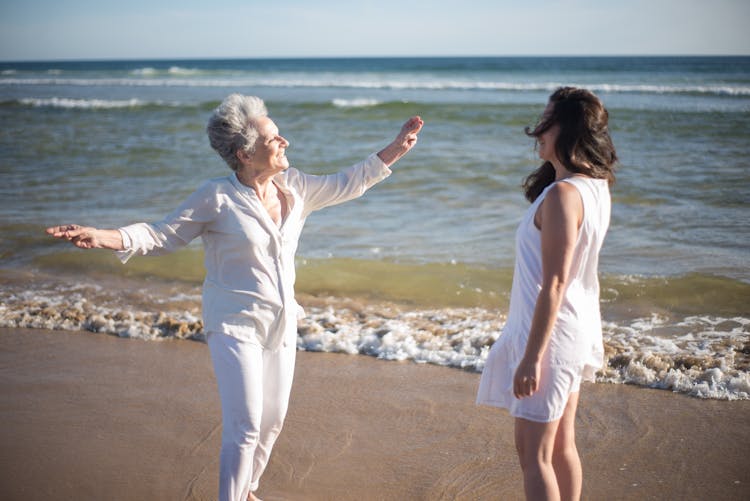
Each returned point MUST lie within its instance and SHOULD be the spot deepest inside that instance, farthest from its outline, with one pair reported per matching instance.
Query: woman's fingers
(524, 390)
(409, 131)
(413, 125)
(67, 231)
(61, 231)
(524, 385)
(83, 243)
(58, 230)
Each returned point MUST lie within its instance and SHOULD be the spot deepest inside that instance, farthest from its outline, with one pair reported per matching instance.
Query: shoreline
(90, 416)
(702, 355)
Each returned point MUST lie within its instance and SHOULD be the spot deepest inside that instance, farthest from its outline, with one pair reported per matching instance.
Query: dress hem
(518, 415)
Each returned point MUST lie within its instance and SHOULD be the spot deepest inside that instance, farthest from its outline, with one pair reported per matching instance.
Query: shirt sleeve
(323, 191)
(177, 230)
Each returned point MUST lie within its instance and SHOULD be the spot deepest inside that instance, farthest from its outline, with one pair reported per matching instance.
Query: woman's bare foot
(253, 497)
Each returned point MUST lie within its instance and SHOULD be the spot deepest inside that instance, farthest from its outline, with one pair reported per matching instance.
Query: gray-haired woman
(250, 223)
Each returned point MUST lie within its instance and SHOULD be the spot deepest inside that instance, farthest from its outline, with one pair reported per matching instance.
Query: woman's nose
(284, 141)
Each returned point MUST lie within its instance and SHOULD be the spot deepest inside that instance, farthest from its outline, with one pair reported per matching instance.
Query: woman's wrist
(391, 153)
(109, 239)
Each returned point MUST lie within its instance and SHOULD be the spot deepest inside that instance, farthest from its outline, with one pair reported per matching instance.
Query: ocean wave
(91, 308)
(355, 103)
(86, 104)
(178, 70)
(701, 356)
(172, 70)
(358, 82)
(141, 72)
(58, 102)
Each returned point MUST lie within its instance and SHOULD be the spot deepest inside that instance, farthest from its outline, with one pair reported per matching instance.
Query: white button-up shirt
(249, 287)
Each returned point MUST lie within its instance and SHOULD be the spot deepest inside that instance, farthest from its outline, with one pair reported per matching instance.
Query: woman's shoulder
(581, 181)
(582, 193)
(293, 178)
(585, 185)
(563, 192)
(217, 181)
(291, 174)
(214, 188)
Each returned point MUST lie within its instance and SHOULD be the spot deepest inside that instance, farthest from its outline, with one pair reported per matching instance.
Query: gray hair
(231, 127)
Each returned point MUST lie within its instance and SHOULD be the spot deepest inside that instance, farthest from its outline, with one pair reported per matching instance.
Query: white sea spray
(57, 102)
(703, 361)
(355, 103)
(701, 356)
(455, 337)
(72, 309)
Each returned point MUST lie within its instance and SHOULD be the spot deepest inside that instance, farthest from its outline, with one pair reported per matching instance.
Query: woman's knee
(534, 443)
(272, 426)
(240, 430)
(565, 438)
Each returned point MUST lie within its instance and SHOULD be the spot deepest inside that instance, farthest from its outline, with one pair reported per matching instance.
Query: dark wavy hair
(583, 144)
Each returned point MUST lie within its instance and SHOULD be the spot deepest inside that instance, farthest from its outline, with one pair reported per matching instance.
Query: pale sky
(152, 29)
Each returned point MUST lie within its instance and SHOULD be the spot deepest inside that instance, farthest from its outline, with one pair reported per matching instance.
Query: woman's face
(548, 139)
(270, 148)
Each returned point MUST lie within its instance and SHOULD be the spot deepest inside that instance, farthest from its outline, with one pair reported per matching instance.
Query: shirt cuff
(127, 246)
(376, 167)
(127, 243)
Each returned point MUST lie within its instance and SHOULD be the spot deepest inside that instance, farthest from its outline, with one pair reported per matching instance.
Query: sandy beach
(89, 416)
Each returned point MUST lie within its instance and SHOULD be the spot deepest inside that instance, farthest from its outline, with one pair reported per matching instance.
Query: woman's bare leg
(535, 444)
(565, 459)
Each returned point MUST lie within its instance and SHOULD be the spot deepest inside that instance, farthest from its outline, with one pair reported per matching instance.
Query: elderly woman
(250, 223)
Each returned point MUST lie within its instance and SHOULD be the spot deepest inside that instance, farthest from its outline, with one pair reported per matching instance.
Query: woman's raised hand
(405, 141)
(407, 137)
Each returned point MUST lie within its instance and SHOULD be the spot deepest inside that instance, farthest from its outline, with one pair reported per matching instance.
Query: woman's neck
(261, 182)
(562, 173)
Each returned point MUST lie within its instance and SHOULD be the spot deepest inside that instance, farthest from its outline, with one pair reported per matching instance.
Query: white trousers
(254, 386)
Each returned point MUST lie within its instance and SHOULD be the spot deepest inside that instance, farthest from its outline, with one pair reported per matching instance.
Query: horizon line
(270, 58)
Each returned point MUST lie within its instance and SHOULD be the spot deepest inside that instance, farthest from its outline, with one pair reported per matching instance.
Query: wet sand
(87, 416)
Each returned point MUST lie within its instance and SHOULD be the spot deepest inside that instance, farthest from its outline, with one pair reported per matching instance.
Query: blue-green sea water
(108, 143)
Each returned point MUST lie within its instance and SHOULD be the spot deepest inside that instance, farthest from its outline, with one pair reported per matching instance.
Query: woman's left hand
(526, 378)
(405, 141)
(86, 237)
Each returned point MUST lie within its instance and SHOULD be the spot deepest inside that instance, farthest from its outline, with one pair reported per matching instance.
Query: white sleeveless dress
(575, 350)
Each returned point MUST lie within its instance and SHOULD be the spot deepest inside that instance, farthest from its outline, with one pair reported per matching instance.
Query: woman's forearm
(391, 153)
(110, 239)
(545, 315)
(528, 373)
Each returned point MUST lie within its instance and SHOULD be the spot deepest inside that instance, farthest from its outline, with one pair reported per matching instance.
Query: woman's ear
(243, 156)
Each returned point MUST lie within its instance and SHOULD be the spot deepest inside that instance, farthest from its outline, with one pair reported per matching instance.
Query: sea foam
(355, 103)
(58, 102)
(702, 356)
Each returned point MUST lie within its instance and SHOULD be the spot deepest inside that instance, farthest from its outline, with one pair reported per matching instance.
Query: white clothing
(575, 350)
(254, 386)
(249, 311)
(248, 291)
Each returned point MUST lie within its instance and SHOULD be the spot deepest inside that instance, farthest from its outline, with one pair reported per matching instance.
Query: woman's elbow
(556, 286)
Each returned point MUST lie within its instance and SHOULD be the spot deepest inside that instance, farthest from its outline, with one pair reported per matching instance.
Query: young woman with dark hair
(552, 339)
